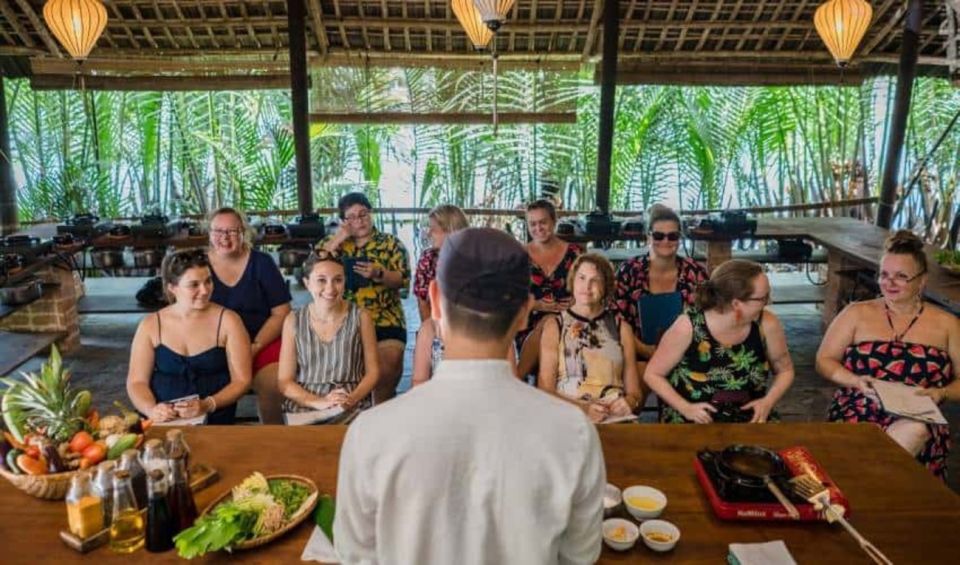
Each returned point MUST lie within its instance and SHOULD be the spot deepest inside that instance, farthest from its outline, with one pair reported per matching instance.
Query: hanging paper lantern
(77, 24)
(842, 25)
(493, 12)
(469, 17)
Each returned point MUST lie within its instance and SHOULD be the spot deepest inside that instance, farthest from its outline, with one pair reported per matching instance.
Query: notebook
(312, 417)
(657, 314)
(901, 399)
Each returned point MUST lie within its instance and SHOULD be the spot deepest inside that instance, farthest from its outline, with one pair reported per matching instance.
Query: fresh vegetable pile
(51, 428)
(257, 507)
(948, 257)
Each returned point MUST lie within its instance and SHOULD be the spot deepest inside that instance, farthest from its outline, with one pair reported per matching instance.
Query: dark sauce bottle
(159, 519)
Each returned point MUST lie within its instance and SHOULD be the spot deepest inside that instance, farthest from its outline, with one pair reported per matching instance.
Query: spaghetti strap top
(204, 374)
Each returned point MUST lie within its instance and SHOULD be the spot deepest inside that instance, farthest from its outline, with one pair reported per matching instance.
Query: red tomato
(80, 441)
(95, 453)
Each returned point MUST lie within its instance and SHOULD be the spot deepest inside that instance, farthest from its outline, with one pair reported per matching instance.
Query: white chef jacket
(471, 467)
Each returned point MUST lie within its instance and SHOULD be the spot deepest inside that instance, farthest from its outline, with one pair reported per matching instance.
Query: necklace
(899, 337)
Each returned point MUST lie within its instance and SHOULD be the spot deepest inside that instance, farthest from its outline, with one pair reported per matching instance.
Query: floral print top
(708, 367)
(633, 281)
(551, 287)
(591, 360)
(426, 272)
(912, 364)
(382, 302)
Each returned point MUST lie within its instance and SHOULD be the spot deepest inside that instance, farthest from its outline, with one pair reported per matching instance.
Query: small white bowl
(661, 527)
(644, 492)
(631, 530)
(612, 498)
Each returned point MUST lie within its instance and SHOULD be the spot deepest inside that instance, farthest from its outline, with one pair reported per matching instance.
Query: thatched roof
(714, 41)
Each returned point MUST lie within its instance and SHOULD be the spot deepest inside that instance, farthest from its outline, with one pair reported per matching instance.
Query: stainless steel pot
(148, 258)
(107, 258)
(293, 257)
(23, 292)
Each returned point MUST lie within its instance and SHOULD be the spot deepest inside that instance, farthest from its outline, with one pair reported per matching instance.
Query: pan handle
(784, 501)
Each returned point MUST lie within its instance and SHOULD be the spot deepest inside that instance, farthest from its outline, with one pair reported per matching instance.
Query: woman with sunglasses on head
(714, 362)
(329, 352)
(191, 348)
(587, 351)
(662, 270)
(248, 282)
(551, 259)
(380, 268)
(895, 338)
(444, 220)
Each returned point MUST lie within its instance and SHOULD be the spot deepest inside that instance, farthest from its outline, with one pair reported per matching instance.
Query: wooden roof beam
(45, 36)
(442, 118)
(7, 10)
(732, 74)
(316, 16)
(588, 49)
(162, 83)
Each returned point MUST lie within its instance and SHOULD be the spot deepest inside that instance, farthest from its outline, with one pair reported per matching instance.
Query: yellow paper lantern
(469, 17)
(842, 25)
(77, 24)
(493, 12)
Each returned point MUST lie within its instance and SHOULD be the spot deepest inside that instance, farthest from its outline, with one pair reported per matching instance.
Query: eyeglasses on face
(234, 232)
(363, 215)
(669, 236)
(898, 278)
(761, 299)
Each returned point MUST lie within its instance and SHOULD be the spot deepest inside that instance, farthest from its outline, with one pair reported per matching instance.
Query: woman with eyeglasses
(896, 338)
(551, 259)
(715, 361)
(249, 282)
(191, 358)
(587, 351)
(378, 267)
(661, 271)
(329, 352)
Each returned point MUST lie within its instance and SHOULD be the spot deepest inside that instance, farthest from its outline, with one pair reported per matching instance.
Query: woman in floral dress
(714, 362)
(551, 259)
(897, 338)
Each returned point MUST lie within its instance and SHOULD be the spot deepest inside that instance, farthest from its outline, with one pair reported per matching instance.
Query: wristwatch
(379, 274)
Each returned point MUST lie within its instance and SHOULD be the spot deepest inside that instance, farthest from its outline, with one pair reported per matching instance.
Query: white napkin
(769, 553)
(319, 548)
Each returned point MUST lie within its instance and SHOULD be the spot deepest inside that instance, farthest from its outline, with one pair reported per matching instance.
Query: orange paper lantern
(842, 25)
(493, 12)
(77, 24)
(469, 17)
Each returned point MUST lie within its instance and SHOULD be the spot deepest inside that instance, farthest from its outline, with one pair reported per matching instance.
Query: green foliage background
(123, 153)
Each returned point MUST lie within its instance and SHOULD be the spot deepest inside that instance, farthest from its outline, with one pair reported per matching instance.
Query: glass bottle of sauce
(126, 528)
(182, 506)
(130, 462)
(155, 458)
(84, 509)
(177, 447)
(103, 487)
(159, 519)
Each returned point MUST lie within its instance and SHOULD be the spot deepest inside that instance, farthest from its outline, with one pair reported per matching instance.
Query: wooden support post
(608, 99)
(901, 111)
(841, 282)
(718, 252)
(299, 96)
(9, 222)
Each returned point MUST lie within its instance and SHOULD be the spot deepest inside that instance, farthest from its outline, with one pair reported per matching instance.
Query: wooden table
(851, 244)
(896, 504)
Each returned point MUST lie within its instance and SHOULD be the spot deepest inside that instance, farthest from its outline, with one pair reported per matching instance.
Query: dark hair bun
(905, 242)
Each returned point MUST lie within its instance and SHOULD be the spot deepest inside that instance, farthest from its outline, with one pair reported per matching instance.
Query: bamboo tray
(299, 516)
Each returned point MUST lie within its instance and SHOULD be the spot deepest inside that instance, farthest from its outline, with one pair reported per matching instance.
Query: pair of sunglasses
(669, 236)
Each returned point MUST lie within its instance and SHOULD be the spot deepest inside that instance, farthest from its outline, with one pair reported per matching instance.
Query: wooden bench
(18, 348)
(111, 304)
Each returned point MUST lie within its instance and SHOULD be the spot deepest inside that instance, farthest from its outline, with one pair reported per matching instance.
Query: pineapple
(45, 402)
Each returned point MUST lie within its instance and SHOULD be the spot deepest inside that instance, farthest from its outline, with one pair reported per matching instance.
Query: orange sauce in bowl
(659, 537)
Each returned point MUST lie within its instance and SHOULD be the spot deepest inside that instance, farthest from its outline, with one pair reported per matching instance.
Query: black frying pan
(757, 467)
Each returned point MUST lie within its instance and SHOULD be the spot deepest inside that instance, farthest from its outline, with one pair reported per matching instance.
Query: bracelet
(213, 403)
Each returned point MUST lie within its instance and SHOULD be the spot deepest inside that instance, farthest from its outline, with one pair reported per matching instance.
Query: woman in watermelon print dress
(551, 259)
(897, 338)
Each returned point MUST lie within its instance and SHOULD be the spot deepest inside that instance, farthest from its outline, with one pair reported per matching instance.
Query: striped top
(325, 365)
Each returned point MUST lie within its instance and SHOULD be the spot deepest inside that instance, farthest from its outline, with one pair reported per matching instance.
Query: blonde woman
(248, 282)
(444, 219)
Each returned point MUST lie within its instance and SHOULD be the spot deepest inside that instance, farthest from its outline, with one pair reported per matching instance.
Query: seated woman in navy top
(249, 283)
(192, 347)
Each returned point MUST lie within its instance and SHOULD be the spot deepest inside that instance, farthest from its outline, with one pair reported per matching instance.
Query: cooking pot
(148, 258)
(107, 258)
(292, 257)
(12, 262)
(23, 292)
(64, 239)
(120, 230)
(273, 229)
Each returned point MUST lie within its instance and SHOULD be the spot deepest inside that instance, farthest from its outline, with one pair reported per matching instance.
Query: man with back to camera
(473, 466)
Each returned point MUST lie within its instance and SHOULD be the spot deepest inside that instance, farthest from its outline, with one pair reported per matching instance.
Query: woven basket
(47, 487)
(299, 516)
